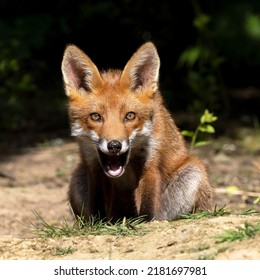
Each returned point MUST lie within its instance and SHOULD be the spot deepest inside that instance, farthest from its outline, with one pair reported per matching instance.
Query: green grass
(216, 213)
(247, 231)
(206, 214)
(247, 212)
(123, 227)
(64, 251)
(94, 226)
(212, 256)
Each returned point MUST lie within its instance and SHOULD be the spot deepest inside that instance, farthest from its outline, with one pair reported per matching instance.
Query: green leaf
(201, 143)
(208, 117)
(187, 133)
(201, 21)
(252, 25)
(207, 128)
(189, 56)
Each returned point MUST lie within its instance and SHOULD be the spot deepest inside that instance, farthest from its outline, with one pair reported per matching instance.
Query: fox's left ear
(79, 72)
(142, 70)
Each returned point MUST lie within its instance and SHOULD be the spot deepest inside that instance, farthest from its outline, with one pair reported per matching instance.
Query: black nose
(114, 146)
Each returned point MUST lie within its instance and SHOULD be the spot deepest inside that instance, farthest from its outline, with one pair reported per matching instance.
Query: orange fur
(133, 157)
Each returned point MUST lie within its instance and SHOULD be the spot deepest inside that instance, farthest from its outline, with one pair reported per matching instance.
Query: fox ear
(142, 70)
(79, 72)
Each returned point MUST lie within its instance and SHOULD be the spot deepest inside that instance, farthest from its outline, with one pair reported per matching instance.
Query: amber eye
(130, 116)
(96, 117)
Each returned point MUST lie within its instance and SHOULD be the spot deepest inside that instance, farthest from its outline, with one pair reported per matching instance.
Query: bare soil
(37, 178)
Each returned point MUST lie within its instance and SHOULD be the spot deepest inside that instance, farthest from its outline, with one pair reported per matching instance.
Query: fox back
(133, 158)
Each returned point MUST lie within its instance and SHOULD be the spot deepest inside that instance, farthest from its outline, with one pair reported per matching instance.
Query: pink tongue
(114, 166)
(115, 170)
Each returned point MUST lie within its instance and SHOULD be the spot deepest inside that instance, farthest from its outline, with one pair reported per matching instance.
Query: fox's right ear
(79, 72)
(142, 70)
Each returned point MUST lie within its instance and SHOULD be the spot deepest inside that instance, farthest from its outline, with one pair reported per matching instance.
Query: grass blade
(93, 226)
(207, 214)
(245, 232)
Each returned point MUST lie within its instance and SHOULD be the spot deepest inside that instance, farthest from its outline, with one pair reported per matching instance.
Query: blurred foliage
(206, 49)
(16, 85)
(205, 127)
(202, 62)
(21, 94)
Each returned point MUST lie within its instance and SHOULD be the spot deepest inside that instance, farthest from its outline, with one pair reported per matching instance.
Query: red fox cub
(133, 157)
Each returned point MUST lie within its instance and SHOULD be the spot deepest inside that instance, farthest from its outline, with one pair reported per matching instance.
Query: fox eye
(130, 116)
(96, 117)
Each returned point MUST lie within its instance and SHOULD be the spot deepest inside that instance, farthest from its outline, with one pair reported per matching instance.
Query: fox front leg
(147, 196)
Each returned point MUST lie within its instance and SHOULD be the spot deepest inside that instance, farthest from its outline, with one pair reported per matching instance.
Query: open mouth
(113, 165)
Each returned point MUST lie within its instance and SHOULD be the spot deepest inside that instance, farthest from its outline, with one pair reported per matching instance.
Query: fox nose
(114, 146)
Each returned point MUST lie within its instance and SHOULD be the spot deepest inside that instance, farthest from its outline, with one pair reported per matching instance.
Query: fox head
(113, 109)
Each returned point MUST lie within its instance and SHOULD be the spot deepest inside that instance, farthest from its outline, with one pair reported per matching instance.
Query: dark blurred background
(209, 50)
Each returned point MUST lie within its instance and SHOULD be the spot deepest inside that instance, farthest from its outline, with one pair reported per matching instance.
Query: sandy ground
(36, 179)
